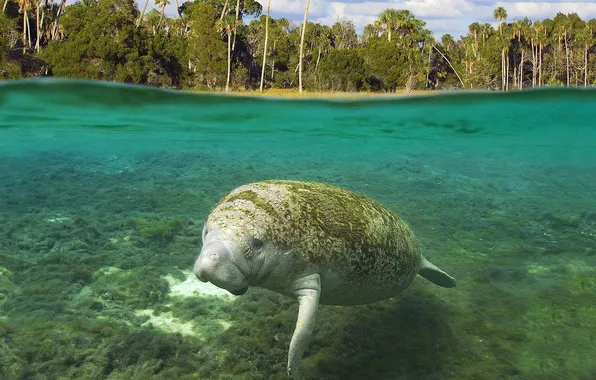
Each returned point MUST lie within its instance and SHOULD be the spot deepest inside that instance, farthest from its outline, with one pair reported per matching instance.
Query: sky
(441, 16)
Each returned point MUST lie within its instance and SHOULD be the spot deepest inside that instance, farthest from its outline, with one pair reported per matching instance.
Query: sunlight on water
(104, 189)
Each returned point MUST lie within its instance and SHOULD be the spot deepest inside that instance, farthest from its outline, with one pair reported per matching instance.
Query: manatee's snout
(207, 262)
(216, 264)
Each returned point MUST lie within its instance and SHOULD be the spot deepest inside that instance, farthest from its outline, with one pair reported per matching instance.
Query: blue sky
(441, 16)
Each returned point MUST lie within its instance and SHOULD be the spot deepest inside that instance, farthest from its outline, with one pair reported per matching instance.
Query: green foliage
(102, 42)
(342, 70)
(4, 31)
(207, 53)
(344, 34)
(161, 231)
(386, 65)
(481, 75)
(99, 39)
(165, 60)
(6, 286)
(138, 288)
(9, 69)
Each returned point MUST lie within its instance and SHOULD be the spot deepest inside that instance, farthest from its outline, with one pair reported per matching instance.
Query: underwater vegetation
(96, 252)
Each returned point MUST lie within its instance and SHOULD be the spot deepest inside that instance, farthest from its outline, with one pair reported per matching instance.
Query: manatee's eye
(256, 244)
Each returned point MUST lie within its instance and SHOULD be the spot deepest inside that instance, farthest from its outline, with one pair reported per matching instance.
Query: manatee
(318, 243)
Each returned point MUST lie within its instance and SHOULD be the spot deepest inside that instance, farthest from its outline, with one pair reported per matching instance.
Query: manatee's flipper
(435, 275)
(307, 289)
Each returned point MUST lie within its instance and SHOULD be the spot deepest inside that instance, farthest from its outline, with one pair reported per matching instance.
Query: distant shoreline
(293, 93)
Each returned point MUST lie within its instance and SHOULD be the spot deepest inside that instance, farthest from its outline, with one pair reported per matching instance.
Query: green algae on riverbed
(102, 207)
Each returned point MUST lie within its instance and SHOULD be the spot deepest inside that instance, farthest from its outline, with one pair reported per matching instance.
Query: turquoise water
(104, 189)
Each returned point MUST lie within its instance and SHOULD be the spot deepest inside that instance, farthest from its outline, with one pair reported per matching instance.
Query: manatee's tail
(435, 275)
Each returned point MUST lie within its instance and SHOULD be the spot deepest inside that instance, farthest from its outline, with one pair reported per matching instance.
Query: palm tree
(236, 23)
(162, 4)
(178, 10)
(49, 12)
(535, 32)
(546, 29)
(57, 19)
(142, 13)
(521, 28)
(501, 14)
(302, 46)
(486, 30)
(474, 29)
(224, 10)
(265, 48)
(389, 18)
(226, 26)
(447, 41)
(24, 6)
(589, 35)
(39, 23)
(563, 26)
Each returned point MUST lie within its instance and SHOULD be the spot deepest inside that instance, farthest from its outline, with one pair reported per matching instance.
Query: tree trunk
(142, 14)
(178, 11)
(37, 27)
(410, 83)
(302, 46)
(24, 31)
(43, 18)
(507, 75)
(273, 62)
(556, 57)
(29, 34)
(534, 63)
(586, 65)
(503, 69)
(229, 32)
(236, 24)
(4, 6)
(453, 68)
(265, 48)
(224, 9)
(427, 85)
(567, 57)
(475, 45)
(163, 9)
(540, 65)
(521, 71)
(56, 22)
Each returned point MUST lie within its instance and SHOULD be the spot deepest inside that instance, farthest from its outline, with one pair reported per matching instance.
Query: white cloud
(441, 16)
(296, 7)
(541, 10)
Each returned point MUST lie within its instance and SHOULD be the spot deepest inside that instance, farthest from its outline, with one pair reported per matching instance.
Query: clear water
(104, 188)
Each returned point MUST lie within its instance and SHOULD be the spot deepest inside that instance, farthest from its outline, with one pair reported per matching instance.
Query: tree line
(210, 45)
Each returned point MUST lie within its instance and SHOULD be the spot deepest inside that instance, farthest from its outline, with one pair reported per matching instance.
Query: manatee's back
(333, 229)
